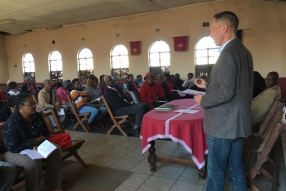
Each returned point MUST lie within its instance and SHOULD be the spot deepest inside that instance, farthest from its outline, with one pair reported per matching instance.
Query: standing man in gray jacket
(227, 104)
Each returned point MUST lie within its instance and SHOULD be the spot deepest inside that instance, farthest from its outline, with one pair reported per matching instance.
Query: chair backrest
(49, 123)
(72, 105)
(270, 130)
(270, 116)
(35, 99)
(108, 108)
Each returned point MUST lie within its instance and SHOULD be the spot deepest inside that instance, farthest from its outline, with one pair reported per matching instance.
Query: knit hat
(149, 74)
(28, 78)
(66, 82)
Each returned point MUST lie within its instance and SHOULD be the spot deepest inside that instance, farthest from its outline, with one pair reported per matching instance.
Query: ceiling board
(38, 14)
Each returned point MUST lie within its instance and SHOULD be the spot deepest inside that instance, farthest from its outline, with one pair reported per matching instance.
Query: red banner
(181, 43)
(135, 48)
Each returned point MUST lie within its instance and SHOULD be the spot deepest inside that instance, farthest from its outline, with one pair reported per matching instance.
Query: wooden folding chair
(258, 161)
(70, 150)
(270, 116)
(116, 124)
(81, 118)
(35, 99)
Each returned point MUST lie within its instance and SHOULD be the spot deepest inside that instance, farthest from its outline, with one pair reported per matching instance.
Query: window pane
(159, 54)
(85, 59)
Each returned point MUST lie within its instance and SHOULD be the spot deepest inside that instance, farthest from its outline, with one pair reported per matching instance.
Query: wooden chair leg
(75, 126)
(121, 130)
(266, 174)
(83, 126)
(79, 159)
(252, 187)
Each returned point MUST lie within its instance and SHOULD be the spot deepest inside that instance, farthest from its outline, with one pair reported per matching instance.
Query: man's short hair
(274, 74)
(229, 17)
(12, 85)
(107, 76)
(75, 80)
(129, 76)
(139, 76)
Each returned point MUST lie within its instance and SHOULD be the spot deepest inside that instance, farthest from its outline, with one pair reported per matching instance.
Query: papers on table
(193, 92)
(44, 150)
(186, 111)
(190, 92)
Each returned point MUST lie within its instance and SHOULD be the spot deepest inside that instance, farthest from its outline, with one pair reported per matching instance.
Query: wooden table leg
(152, 157)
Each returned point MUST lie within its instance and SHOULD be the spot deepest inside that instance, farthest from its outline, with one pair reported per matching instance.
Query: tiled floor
(109, 155)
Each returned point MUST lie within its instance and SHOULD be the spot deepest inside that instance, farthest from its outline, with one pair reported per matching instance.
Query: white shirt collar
(222, 47)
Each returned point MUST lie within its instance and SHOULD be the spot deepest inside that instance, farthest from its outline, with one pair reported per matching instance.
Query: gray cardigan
(227, 102)
(94, 93)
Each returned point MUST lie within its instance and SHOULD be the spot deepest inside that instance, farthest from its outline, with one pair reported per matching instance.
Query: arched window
(85, 64)
(206, 54)
(159, 58)
(28, 65)
(56, 66)
(119, 62)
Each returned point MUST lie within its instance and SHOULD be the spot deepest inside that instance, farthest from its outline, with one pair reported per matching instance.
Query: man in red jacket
(151, 91)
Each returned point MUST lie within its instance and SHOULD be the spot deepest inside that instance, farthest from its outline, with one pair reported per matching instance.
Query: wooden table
(183, 128)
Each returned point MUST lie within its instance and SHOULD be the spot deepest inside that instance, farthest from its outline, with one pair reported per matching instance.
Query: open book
(44, 150)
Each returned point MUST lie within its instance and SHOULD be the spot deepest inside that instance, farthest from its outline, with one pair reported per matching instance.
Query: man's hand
(198, 98)
(58, 108)
(40, 139)
(201, 83)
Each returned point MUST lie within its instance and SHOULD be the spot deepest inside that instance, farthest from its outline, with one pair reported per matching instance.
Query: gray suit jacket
(227, 102)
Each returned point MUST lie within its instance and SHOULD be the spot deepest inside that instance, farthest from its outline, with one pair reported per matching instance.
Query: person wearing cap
(151, 91)
(28, 87)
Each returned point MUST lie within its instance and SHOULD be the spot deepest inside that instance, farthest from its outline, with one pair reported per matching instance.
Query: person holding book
(151, 91)
(26, 129)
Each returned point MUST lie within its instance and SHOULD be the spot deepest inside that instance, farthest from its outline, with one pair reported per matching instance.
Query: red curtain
(181, 43)
(135, 48)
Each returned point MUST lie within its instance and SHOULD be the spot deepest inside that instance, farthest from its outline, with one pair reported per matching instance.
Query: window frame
(155, 69)
(119, 73)
(83, 75)
(32, 74)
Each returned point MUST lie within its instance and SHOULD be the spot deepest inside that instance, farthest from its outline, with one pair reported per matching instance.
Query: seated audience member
(102, 83)
(83, 105)
(57, 85)
(179, 82)
(122, 105)
(258, 84)
(168, 87)
(7, 87)
(172, 77)
(29, 87)
(63, 92)
(133, 88)
(139, 81)
(92, 88)
(26, 129)
(262, 104)
(189, 83)
(48, 99)
(151, 91)
(13, 86)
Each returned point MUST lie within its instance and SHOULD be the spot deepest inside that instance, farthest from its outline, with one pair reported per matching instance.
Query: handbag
(61, 139)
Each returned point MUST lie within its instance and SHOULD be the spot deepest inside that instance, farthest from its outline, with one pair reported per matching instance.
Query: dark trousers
(138, 110)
